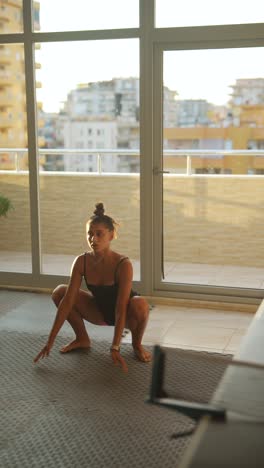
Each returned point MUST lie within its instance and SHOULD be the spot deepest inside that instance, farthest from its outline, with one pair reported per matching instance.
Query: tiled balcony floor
(169, 325)
(204, 274)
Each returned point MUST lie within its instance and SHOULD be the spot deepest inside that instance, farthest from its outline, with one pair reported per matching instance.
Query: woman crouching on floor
(109, 299)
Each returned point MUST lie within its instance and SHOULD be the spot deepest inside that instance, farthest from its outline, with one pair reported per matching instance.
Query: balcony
(6, 121)
(6, 78)
(5, 15)
(7, 101)
(4, 58)
(6, 141)
(16, 3)
(213, 224)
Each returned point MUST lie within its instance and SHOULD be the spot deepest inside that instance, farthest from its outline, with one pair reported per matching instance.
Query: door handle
(157, 171)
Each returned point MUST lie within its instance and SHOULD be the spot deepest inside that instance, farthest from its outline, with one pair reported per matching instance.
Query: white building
(169, 107)
(117, 98)
(247, 91)
(192, 112)
(105, 115)
(84, 133)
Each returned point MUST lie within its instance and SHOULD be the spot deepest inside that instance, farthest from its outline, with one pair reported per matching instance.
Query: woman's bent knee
(139, 307)
(58, 293)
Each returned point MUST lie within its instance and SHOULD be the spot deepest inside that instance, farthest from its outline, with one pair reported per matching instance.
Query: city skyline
(209, 83)
(194, 74)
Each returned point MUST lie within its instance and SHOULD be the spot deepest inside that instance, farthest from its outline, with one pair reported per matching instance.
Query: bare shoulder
(122, 259)
(124, 266)
(77, 265)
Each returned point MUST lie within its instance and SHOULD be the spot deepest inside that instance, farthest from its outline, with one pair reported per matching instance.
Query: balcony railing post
(99, 164)
(17, 161)
(189, 165)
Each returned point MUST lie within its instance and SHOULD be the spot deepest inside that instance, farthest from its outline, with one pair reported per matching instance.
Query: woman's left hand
(43, 353)
(119, 360)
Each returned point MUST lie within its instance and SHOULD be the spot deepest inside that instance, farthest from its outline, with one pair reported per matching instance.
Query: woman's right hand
(43, 353)
(119, 360)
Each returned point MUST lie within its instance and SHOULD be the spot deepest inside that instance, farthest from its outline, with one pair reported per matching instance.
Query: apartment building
(193, 112)
(247, 104)
(106, 115)
(247, 91)
(85, 133)
(12, 84)
(117, 98)
(238, 126)
(13, 122)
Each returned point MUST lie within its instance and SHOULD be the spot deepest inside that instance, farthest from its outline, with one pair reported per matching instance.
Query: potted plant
(5, 205)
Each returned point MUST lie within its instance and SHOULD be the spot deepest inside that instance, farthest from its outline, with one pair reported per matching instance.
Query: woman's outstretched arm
(65, 306)
(125, 275)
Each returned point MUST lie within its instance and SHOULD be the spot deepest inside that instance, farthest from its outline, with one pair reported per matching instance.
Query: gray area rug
(79, 410)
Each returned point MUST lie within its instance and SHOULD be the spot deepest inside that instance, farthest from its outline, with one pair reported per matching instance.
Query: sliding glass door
(155, 108)
(209, 169)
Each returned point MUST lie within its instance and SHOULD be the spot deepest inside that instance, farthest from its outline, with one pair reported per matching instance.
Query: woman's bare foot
(76, 344)
(142, 354)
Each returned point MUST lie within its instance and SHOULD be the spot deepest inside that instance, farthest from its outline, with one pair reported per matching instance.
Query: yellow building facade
(13, 119)
(250, 130)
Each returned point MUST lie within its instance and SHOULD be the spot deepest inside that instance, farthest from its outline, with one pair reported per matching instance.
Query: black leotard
(106, 295)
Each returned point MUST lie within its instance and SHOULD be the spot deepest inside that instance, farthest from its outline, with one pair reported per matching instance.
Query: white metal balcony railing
(19, 153)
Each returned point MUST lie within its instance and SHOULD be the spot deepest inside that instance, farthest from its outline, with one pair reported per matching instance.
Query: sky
(200, 74)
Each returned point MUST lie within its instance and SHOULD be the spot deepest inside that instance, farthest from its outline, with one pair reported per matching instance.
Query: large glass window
(15, 250)
(57, 15)
(88, 110)
(88, 124)
(218, 108)
(174, 13)
(212, 150)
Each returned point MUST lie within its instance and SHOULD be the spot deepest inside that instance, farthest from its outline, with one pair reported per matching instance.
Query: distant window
(36, 16)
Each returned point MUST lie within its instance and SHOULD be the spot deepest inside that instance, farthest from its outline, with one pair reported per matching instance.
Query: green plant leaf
(5, 205)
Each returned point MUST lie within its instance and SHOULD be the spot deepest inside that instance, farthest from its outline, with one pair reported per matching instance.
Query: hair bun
(99, 209)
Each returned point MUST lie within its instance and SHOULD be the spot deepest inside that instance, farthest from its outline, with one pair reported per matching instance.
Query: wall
(215, 220)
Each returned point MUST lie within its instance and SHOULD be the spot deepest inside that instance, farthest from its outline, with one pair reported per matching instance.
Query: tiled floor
(198, 329)
(169, 325)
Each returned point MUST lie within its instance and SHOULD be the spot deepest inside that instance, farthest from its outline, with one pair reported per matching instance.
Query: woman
(109, 299)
